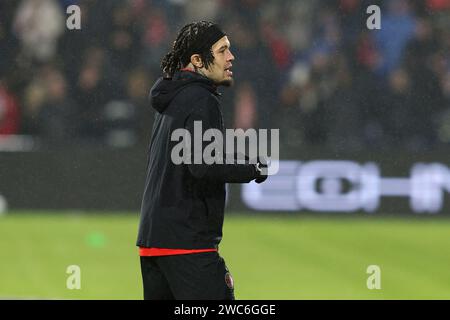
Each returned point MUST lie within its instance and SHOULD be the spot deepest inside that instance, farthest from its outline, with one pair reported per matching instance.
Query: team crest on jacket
(229, 280)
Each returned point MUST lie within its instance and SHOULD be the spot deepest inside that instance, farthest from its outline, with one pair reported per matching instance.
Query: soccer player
(183, 204)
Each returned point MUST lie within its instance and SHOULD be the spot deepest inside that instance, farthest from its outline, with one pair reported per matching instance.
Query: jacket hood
(165, 89)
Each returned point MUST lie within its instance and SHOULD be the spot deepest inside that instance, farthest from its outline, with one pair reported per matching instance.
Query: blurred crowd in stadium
(311, 68)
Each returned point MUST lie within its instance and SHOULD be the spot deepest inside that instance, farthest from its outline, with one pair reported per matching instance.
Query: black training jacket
(183, 205)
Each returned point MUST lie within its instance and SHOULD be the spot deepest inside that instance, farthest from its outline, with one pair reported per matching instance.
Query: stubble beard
(226, 83)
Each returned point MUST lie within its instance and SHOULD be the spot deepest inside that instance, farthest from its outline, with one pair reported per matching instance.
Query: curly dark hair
(177, 58)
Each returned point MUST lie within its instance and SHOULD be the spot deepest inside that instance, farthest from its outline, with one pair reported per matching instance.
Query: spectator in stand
(91, 94)
(155, 38)
(256, 79)
(309, 67)
(137, 94)
(9, 112)
(397, 29)
(123, 38)
(39, 24)
(57, 119)
(438, 5)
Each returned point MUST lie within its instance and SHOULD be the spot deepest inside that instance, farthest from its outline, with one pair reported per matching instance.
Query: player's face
(220, 70)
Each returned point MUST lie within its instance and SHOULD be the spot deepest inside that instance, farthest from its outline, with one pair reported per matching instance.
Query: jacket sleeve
(226, 173)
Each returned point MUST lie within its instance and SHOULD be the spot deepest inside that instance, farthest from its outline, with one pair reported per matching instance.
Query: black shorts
(198, 276)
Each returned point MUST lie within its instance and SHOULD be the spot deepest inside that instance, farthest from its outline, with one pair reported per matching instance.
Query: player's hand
(261, 168)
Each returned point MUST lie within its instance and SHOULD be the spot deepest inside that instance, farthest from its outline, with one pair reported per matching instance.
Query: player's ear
(196, 60)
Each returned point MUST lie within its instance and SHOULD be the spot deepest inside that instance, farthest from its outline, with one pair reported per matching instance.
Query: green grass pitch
(270, 257)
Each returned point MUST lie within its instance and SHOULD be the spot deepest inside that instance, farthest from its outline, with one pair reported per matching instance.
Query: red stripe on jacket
(155, 252)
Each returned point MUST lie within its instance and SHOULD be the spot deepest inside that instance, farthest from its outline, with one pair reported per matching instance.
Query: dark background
(74, 115)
